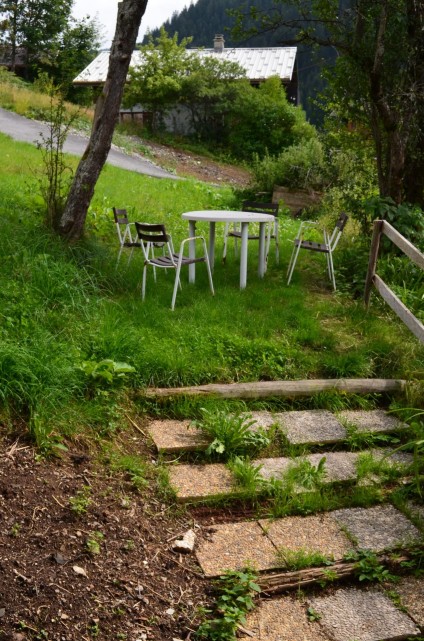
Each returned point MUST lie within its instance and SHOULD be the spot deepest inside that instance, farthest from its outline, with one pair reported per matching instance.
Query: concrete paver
(372, 421)
(282, 619)
(234, 546)
(175, 436)
(197, 482)
(377, 528)
(311, 427)
(362, 615)
(411, 591)
(318, 533)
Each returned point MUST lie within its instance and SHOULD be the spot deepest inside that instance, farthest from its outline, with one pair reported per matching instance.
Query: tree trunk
(81, 192)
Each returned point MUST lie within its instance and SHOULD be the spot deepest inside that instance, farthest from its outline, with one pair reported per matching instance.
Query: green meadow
(69, 318)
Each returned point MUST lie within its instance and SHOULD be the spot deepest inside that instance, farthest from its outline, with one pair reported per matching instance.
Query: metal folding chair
(260, 208)
(326, 247)
(126, 235)
(149, 236)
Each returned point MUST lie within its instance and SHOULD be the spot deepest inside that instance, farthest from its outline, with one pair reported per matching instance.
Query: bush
(301, 166)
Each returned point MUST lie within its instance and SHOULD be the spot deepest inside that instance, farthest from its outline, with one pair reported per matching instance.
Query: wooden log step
(289, 389)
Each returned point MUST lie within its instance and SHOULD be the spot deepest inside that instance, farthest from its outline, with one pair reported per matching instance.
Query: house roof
(259, 62)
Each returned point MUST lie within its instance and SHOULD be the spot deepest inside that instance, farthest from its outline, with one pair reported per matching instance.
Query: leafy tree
(75, 48)
(264, 121)
(32, 25)
(209, 92)
(157, 81)
(378, 78)
(71, 224)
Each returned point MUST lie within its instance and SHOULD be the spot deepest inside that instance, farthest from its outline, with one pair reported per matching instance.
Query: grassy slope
(61, 306)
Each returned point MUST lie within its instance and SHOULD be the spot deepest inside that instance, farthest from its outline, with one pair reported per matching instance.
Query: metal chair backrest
(152, 232)
(120, 216)
(260, 207)
(338, 229)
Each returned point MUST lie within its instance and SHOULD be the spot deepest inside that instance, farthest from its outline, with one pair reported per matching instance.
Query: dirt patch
(131, 585)
(194, 166)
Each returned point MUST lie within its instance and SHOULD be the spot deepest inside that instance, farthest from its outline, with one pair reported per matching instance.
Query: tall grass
(62, 306)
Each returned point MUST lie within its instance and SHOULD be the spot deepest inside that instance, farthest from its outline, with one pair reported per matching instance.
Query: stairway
(264, 544)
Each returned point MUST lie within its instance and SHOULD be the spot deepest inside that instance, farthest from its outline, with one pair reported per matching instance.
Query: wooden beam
(289, 389)
(407, 317)
(372, 262)
(408, 248)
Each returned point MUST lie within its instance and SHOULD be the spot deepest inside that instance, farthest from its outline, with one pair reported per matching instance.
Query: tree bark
(128, 21)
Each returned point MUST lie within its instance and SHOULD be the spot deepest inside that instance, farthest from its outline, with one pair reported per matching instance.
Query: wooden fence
(407, 317)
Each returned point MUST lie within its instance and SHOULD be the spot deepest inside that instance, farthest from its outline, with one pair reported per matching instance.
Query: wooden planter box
(296, 199)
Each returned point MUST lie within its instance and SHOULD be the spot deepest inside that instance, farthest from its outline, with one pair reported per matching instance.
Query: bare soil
(133, 587)
(196, 166)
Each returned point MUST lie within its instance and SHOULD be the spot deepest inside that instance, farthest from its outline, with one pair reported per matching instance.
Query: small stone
(186, 544)
(2, 612)
(78, 570)
(170, 611)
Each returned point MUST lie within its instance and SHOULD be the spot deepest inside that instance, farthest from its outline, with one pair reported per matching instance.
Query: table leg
(261, 264)
(243, 254)
(211, 244)
(192, 251)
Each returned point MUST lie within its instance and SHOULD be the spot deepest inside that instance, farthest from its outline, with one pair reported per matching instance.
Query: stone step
(195, 483)
(263, 544)
(346, 614)
(309, 427)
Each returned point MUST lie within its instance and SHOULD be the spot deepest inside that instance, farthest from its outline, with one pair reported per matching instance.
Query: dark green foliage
(235, 599)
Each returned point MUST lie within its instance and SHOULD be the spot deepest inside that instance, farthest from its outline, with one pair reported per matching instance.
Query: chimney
(218, 43)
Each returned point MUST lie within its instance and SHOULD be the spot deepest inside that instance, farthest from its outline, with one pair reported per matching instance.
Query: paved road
(26, 130)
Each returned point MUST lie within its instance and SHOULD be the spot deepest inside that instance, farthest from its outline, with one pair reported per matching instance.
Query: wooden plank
(372, 263)
(291, 389)
(408, 248)
(407, 317)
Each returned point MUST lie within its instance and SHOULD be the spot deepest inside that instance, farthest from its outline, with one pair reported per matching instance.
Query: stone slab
(338, 466)
(397, 457)
(234, 546)
(197, 482)
(373, 421)
(362, 615)
(182, 436)
(176, 436)
(411, 591)
(377, 528)
(320, 533)
(282, 619)
(311, 427)
(262, 419)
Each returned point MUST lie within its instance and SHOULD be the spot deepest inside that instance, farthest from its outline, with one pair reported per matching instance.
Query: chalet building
(259, 64)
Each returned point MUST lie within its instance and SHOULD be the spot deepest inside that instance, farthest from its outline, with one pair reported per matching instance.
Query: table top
(223, 216)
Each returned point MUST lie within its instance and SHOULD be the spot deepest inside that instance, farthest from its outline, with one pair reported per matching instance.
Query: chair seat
(166, 261)
(127, 243)
(313, 246)
(237, 234)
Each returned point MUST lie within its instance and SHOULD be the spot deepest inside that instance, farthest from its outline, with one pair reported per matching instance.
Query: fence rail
(407, 317)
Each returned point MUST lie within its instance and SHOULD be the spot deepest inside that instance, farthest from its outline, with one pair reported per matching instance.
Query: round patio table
(242, 217)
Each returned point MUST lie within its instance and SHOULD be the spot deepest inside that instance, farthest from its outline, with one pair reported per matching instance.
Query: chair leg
(208, 267)
(143, 286)
(177, 282)
(277, 243)
(119, 257)
(292, 263)
(330, 260)
(224, 253)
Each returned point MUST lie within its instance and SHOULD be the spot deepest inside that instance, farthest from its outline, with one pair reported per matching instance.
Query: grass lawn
(61, 307)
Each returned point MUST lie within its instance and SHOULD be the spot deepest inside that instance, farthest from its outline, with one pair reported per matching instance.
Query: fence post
(372, 264)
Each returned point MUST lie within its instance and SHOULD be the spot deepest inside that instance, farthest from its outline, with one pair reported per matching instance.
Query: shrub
(300, 166)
